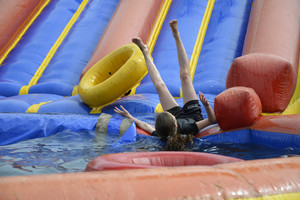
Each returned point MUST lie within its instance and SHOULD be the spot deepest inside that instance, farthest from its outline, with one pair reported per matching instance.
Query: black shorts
(191, 109)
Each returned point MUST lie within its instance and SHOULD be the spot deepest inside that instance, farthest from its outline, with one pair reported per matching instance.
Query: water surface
(68, 152)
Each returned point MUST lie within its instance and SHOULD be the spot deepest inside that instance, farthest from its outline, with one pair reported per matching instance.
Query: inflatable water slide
(64, 64)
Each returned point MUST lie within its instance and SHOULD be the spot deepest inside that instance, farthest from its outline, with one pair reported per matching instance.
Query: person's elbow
(212, 119)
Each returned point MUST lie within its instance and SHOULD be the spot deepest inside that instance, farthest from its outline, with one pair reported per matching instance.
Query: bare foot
(140, 44)
(173, 25)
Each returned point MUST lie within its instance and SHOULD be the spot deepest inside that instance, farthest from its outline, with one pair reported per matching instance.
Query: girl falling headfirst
(174, 121)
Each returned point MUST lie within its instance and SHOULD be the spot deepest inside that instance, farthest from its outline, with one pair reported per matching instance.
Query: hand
(203, 99)
(123, 112)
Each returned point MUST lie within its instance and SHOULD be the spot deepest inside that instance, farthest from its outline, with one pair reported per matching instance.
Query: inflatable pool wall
(248, 180)
(50, 43)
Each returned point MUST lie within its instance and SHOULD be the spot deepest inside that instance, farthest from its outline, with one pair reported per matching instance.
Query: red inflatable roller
(142, 160)
(237, 107)
(270, 58)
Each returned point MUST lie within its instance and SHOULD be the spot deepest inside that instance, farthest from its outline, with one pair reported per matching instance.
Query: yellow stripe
(152, 41)
(200, 39)
(35, 107)
(39, 72)
(23, 32)
(158, 25)
(289, 196)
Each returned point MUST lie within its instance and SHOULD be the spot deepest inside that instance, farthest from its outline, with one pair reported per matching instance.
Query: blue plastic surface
(17, 127)
(223, 42)
(128, 136)
(248, 136)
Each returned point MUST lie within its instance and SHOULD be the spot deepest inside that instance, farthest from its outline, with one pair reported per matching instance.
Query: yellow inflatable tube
(113, 76)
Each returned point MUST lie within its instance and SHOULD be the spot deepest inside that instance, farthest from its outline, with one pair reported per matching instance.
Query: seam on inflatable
(200, 39)
(18, 38)
(40, 70)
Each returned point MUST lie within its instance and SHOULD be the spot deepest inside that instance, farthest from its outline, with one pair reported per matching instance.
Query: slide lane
(189, 15)
(223, 43)
(61, 75)
(63, 71)
(24, 60)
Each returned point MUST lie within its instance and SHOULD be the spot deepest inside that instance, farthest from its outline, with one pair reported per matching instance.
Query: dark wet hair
(165, 125)
(178, 142)
(166, 129)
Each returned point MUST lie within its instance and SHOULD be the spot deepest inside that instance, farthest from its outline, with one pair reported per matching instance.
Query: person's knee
(185, 75)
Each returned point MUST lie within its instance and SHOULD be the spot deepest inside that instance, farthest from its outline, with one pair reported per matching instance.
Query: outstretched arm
(211, 118)
(143, 125)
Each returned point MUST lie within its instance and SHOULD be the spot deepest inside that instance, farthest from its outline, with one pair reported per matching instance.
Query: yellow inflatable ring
(113, 76)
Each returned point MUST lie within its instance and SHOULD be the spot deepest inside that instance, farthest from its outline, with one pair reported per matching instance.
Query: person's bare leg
(188, 91)
(166, 99)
